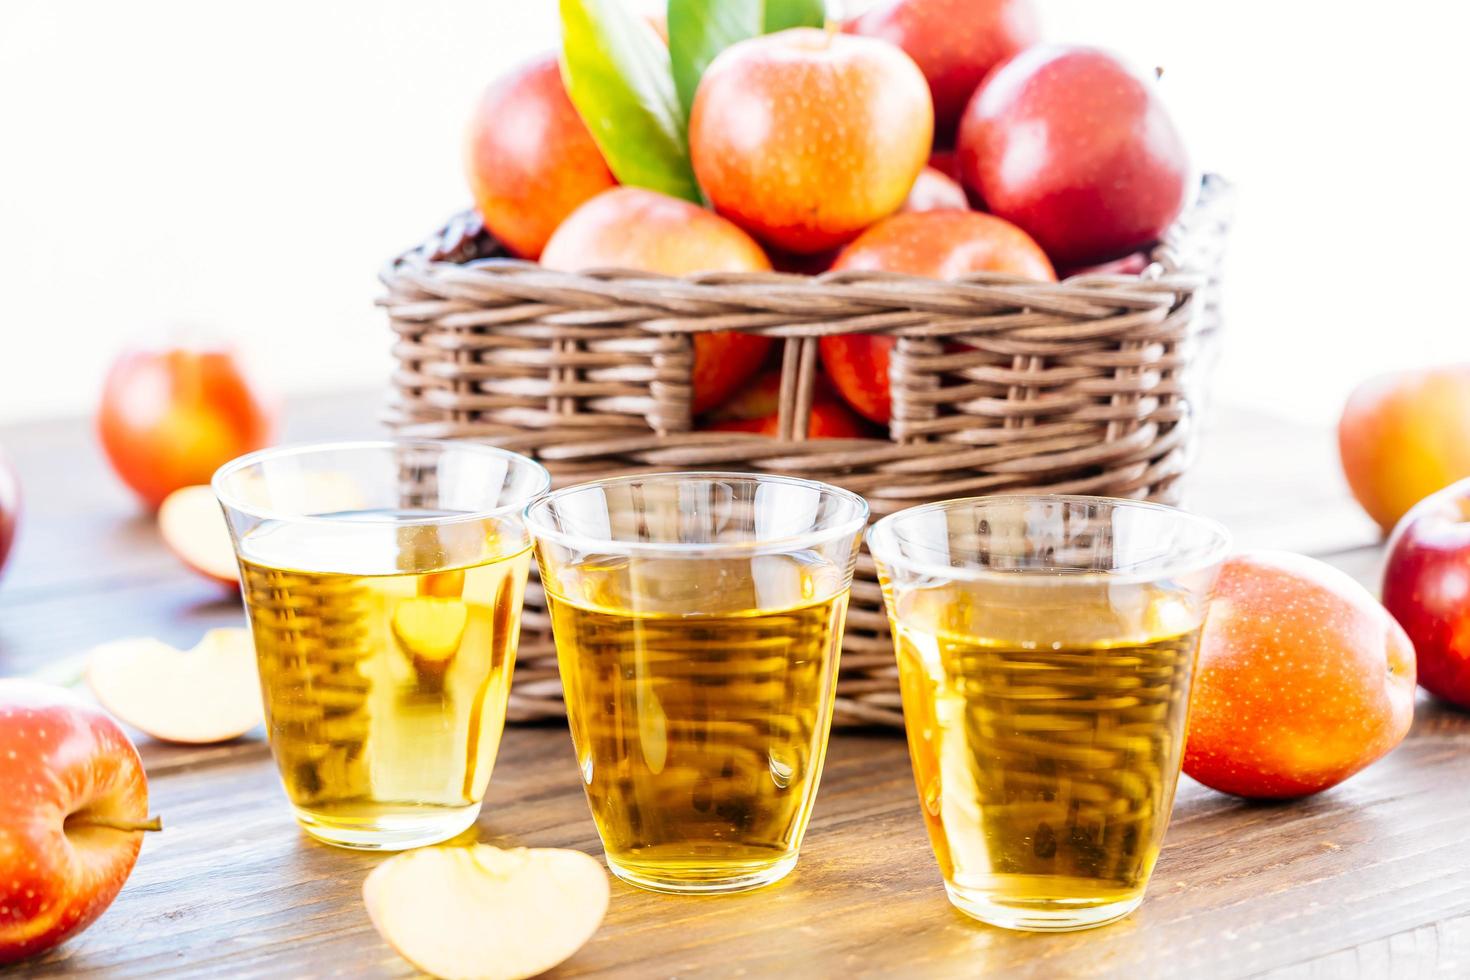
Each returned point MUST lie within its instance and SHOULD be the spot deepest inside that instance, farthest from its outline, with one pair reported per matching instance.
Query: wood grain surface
(1370, 879)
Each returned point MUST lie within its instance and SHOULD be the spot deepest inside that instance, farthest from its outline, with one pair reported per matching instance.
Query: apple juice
(386, 677)
(700, 736)
(1046, 744)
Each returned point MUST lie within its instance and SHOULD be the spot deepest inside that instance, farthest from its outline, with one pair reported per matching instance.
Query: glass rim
(1216, 551)
(540, 530)
(240, 463)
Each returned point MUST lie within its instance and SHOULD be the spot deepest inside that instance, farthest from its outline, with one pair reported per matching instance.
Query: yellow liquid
(1045, 752)
(385, 692)
(700, 737)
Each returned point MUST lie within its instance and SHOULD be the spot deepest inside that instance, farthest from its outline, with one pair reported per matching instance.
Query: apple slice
(484, 912)
(210, 694)
(430, 630)
(193, 527)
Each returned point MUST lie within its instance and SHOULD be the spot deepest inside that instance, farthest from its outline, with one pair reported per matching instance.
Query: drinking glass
(1046, 647)
(383, 583)
(698, 619)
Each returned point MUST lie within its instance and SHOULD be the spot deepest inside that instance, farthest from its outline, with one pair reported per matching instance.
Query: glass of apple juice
(383, 583)
(1045, 648)
(698, 619)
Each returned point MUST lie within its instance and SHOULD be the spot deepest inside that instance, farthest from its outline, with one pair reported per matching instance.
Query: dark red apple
(954, 43)
(72, 811)
(9, 508)
(1078, 150)
(1426, 585)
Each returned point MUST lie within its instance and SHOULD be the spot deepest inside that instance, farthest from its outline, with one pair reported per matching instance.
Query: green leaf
(782, 14)
(618, 76)
(701, 29)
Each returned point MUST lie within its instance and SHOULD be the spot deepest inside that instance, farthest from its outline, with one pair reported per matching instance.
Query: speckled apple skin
(1071, 145)
(59, 755)
(940, 245)
(804, 138)
(529, 158)
(634, 228)
(1426, 585)
(954, 42)
(1303, 679)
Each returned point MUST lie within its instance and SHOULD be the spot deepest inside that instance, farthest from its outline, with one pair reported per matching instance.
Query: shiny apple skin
(60, 756)
(1426, 585)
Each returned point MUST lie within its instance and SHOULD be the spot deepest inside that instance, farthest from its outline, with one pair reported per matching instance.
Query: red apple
(1071, 145)
(1403, 436)
(529, 157)
(170, 418)
(1303, 679)
(633, 228)
(804, 138)
(933, 191)
(9, 508)
(74, 804)
(954, 42)
(1426, 585)
(946, 162)
(938, 244)
(756, 408)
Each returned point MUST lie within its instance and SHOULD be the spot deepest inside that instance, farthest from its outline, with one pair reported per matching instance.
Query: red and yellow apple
(74, 805)
(9, 508)
(1426, 585)
(1077, 149)
(757, 409)
(633, 228)
(1303, 679)
(955, 43)
(937, 244)
(170, 418)
(1403, 436)
(529, 157)
(804, 137)
(934, 191)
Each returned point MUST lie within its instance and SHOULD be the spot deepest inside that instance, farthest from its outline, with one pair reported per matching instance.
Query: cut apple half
(193, 527)
(209, 694)
(483, 912)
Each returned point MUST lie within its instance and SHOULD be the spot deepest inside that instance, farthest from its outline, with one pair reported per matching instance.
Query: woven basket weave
(999, 384)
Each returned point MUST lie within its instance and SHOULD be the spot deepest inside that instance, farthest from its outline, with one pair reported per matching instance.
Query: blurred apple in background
(955, 44)
(939, 244)
(9, 507)
(170, 418)
(529, 157)
(804, 138)
(74, 806)
(757, 409)
(633, 228)
(1403, 436)
(1074, 147)
(1303, 679)
(1426, 585)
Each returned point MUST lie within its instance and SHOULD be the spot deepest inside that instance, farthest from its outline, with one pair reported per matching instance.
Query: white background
(243, 170)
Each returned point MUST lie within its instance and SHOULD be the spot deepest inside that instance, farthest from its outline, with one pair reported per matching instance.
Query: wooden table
(1370, 879)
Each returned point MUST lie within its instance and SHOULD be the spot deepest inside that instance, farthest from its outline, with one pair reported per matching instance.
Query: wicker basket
(1085, 386)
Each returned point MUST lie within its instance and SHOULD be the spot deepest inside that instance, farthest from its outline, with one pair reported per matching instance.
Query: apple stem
(128, 826)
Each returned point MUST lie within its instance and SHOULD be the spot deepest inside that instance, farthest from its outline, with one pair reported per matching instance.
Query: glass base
(387, 826)
(1038, 915)
(691, 879)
